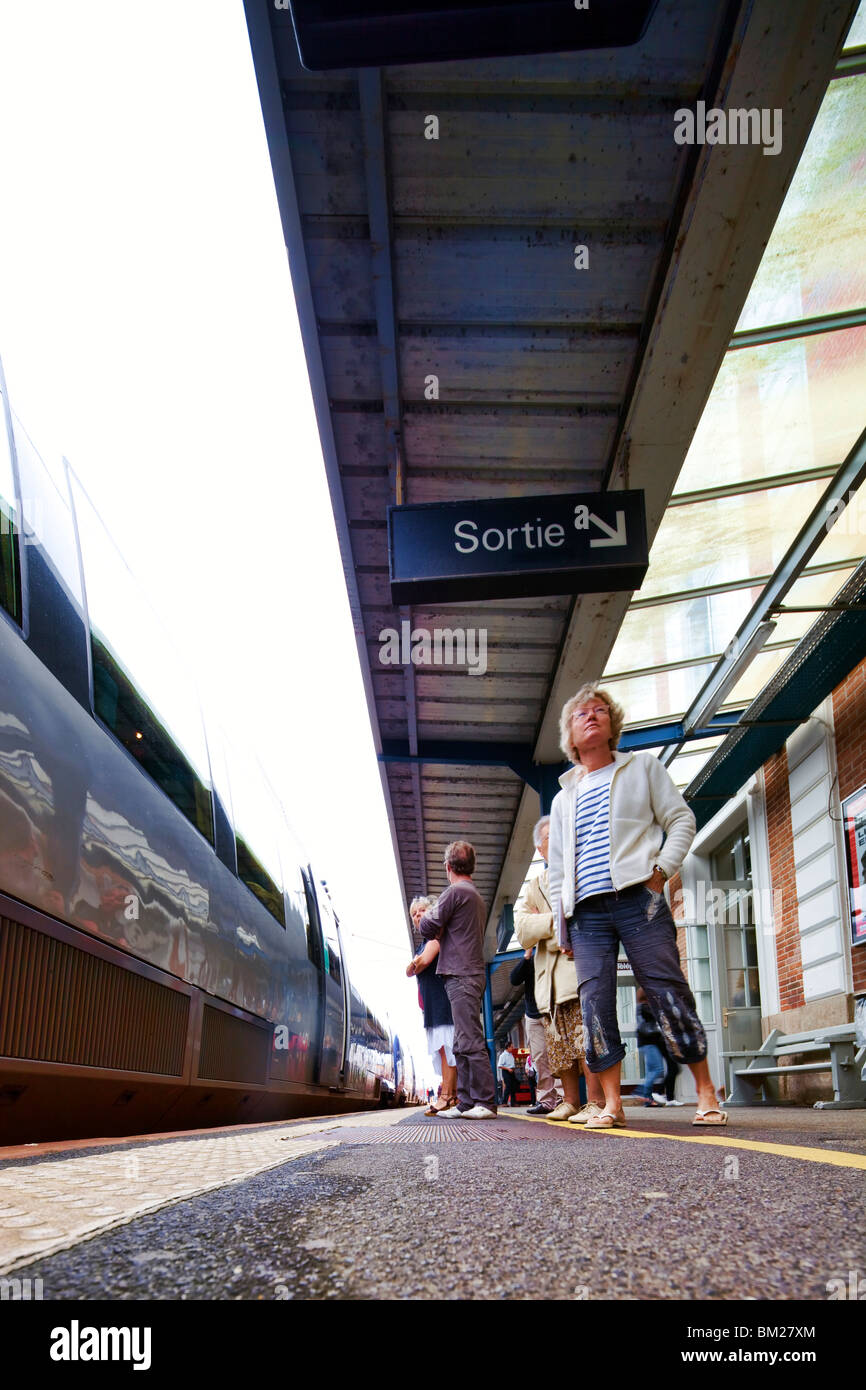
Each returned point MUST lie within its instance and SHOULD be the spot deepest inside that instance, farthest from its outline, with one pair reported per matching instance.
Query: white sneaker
(588, 1112)
(455, 1113)
(676, 1102)
(479, 1112)
(662, 1100)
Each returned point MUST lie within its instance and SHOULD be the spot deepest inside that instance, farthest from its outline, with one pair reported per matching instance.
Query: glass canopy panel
(687, 765)
(814, 261)
(653, 696)
(664, 633)
(703, 626)
(727, 539)
(780, 409)
(857, 33)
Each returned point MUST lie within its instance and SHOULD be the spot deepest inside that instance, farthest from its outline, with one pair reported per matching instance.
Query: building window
(698, 966)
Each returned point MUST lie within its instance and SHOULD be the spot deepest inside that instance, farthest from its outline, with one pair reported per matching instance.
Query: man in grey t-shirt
(457, 923)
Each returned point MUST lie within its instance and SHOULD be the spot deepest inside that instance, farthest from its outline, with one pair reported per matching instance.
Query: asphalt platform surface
(510, 1208)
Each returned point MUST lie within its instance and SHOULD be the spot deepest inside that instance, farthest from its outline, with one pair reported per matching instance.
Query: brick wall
(849, 717)
(784, 881)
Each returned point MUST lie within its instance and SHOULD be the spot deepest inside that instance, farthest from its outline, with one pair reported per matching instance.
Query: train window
(154, 713)
(118, 704)
(298, 923)
(47, 513)
(314, 950)
(252, 872)
(10, 579)
(257, 817)
(332, 940)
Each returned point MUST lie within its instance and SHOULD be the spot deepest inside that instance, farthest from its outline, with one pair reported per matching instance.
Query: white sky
(148, 332)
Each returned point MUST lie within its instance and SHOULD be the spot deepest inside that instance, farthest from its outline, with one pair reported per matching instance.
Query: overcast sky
(148, 332)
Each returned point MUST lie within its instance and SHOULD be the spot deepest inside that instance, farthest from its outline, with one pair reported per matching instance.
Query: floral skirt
(563, 1033)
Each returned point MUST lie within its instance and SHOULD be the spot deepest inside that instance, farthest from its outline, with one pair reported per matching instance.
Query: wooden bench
(829, 1049)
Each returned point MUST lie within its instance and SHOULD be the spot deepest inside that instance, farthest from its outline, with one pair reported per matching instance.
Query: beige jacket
(555, 975)
(650, 824)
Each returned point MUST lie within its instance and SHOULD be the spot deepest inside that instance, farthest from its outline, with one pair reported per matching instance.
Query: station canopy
(512, 280)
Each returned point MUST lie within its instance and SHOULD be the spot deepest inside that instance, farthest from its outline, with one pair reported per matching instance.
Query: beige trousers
(547, 1091)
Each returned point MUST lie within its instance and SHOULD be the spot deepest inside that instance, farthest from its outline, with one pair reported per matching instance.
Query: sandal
(701, 1118)
(606, 1121)
(443, 1103)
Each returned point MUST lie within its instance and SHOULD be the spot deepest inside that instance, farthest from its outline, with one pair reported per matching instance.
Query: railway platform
(396, 1206)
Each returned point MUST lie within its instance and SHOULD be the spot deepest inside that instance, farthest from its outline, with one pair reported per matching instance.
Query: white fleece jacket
(650, 823)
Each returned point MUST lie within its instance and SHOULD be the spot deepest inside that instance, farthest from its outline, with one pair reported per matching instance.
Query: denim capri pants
(642, 921)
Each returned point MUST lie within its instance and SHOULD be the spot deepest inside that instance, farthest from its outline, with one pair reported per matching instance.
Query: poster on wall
(854, 822)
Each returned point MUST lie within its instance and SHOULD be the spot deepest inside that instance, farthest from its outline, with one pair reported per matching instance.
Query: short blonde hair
(586, 692)
(426, 903)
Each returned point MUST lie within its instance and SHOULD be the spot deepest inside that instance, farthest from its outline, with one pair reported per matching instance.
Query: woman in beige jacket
(556, 993)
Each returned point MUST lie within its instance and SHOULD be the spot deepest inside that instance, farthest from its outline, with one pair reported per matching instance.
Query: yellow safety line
(838, 1158)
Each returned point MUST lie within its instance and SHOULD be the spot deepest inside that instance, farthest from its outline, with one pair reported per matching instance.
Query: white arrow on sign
(612, 537)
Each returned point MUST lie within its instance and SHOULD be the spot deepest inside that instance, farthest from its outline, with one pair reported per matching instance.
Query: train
(168, 959)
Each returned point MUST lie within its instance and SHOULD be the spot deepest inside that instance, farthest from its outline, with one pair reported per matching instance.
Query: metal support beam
(487, 1006)
(372, 101)
(505, 930)
(501, 958)
(798, 328)
(542, 777)
(550, 775)
(514, 755)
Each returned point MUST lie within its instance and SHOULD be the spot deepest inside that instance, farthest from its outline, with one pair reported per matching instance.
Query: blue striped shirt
(592, 833)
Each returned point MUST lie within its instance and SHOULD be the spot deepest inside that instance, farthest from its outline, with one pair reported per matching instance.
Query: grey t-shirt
(457, 922)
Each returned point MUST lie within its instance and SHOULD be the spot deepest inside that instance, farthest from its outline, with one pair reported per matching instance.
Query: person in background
(556, 994)
(649, 1046)
(545, 1096)
(618, 829)
(673, 1070)
(438, 1023)
(505, 1063)
(531, 1079)
(457, 922)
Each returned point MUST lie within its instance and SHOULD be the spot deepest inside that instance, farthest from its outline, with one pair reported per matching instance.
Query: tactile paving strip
(436, 1133)
(49, 1206)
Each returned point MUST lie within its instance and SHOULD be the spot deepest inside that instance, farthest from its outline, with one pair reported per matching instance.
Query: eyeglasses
(597, 710)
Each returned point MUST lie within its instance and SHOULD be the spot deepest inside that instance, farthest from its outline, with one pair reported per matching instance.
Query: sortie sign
(517, 547)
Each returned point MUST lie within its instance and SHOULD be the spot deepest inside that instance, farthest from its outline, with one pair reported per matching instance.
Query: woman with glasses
(618, 830)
